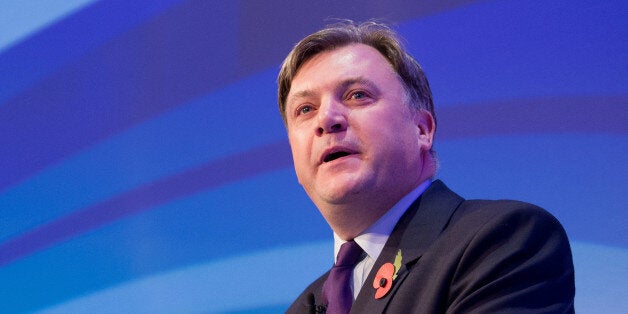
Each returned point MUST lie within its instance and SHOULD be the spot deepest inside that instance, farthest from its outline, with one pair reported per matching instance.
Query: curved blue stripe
(207, 177)
(137, 76)
(186, 137)
(49, 50)
(552, 115)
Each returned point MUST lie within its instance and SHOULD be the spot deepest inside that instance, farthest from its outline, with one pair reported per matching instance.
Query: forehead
(354, 62)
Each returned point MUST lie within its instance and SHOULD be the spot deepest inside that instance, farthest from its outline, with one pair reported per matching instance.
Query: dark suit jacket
(470, 256)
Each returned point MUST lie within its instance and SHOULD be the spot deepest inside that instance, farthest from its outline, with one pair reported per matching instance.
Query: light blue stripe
(250, 281)
(278, 276)
(20, 19)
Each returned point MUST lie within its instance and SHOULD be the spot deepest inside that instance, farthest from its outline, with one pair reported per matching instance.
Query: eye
(305, 109)
(357, 95)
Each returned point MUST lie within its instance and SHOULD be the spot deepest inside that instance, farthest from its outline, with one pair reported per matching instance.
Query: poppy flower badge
(385, 276)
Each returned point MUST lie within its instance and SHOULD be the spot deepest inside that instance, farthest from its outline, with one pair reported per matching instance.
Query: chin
(340, 194)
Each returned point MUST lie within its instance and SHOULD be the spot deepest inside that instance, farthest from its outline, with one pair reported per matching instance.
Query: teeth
(334, 156)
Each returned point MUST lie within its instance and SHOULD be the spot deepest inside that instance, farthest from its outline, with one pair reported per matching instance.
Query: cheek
(301, 150)
(298, 163)
(384, 131)
(395, 141)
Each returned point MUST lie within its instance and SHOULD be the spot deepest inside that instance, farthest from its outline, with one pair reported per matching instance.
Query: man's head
(378, 36)
(361, 139)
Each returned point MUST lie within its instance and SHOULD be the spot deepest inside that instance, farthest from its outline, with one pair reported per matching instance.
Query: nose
(331, 118)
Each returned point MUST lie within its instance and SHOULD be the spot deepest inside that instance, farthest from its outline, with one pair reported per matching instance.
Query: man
(360, 120)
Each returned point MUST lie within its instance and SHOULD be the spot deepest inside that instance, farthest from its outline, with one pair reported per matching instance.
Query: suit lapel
(417, 229)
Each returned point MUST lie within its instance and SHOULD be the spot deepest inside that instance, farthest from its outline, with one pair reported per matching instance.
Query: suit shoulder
(477, 212)
(303, 300)
(485, 211)
(509, 246)
(499, 220)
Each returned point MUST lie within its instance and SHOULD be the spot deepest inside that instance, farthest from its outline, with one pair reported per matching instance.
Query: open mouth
(334, 156)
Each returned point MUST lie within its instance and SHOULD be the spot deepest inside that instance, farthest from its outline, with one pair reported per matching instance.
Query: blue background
(144, 166)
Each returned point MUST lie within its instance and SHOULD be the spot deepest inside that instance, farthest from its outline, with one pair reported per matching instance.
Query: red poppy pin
(385, 276)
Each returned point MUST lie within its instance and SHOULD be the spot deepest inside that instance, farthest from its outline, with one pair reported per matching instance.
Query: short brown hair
(376, 35)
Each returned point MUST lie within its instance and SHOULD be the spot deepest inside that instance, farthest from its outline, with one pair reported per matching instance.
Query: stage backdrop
(144, 166)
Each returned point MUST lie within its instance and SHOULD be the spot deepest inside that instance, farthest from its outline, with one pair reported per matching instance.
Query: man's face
(352, 134)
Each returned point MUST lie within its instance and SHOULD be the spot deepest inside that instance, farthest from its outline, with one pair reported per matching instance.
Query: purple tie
(337, 288)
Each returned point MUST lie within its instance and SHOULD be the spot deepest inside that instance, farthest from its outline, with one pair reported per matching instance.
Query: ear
(426, 127)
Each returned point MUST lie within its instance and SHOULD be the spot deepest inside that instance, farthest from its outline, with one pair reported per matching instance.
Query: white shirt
(373, 239)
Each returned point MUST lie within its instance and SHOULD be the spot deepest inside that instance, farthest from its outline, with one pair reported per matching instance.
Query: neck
(351, 218)
(349, 222)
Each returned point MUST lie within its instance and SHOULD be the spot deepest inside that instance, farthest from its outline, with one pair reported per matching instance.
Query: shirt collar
(373, 239)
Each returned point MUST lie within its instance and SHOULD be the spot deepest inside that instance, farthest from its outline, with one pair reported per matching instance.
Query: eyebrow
(301, 94)
(358, 80)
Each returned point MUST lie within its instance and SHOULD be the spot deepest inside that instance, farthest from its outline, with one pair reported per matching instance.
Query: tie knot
(349, 254)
